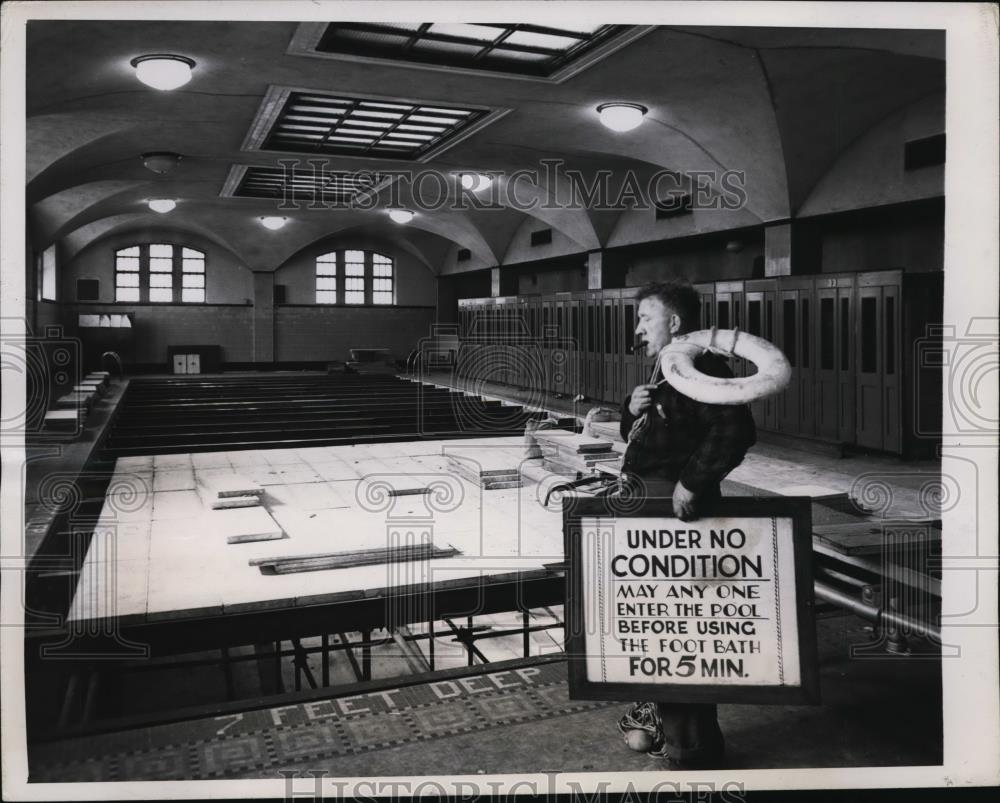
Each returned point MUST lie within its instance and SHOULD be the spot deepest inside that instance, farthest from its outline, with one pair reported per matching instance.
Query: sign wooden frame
(797, 509)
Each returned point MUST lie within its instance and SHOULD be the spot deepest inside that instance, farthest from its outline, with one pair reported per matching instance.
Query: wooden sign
(715, 610)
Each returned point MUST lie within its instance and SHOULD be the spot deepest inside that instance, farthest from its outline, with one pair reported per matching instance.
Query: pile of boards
(236, 508)
(569, 454)
(490, 468)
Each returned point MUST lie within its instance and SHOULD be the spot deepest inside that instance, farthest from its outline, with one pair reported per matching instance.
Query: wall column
(792, 248)
(502, 284)
(263, 317)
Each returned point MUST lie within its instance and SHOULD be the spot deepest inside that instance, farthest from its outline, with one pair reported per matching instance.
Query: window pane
(192, 280)
(193, 294)
(161, 280)
(354, 256)
(190, 253)
(381, 270)
(159, 265)
(326, 297)
(193, 265)
(330, 257)
(354, 269)
(384, 285)
(161, 294)
(354, 297)
(127, 280)
(161, 250)
(381, 298)
(128, 252)
(326, 269)
(326, 283)
(354, 284)
(127, 263)
(127, 294)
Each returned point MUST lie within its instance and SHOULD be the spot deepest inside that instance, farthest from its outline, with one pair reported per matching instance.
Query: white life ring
(677, 364)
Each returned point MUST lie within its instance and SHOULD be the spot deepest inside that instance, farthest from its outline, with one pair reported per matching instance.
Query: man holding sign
(678, 448)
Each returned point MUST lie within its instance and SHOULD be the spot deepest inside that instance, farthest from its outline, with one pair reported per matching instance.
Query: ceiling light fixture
(160, 162)
(621, 116)
(476, 182)
(273, 222)
(163, 70)
(401, 215)
(162, 205)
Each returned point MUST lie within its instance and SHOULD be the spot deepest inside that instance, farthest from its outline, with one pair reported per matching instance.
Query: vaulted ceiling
(779, 104)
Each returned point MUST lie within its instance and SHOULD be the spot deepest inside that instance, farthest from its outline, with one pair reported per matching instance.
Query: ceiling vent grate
(464, 255)
(327, 124)
(533, 50)
(327, 188)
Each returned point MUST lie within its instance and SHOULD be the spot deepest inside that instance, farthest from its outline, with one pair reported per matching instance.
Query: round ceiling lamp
(163, 71)
(160, 162)
(162, 205)
(621, 116)
(273, 222)
(401, 215)
(475, 182)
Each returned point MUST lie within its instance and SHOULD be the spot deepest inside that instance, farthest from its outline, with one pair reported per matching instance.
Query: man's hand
(642, 397)
(684, 503)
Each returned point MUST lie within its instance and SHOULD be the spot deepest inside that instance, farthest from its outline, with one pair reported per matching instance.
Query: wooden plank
(351, 558)
(221, 486)
(242, 525)
(870, 537)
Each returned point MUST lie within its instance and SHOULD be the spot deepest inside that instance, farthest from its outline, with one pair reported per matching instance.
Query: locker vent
(464, 255)
(280, 293)
(673, 206)
(541, 237)
(88, 289)
(925, 152)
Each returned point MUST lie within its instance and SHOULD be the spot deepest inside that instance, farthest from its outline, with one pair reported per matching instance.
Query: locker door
(827, 364)
(578, 308)
(707, 293)
(892, 433)
(559, 354)
(755, 326)
(633, 361)
(595, 384)
(846, 382)
(610, 348)
(795, 416)
(869, 359)
(194, 363)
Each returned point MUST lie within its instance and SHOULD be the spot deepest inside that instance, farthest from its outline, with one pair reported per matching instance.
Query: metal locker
(594, 366)
(795, 415)
(879, 333)
(833, 358)
(707, 294)
(728, 315)
(180, 363)
(759, 316)
(194, 363)
(636, 370)
(611, 350)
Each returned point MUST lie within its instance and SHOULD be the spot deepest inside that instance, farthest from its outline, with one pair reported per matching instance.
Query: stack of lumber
(357, 557)
(569, 454)
(224, 491)
(490, 469)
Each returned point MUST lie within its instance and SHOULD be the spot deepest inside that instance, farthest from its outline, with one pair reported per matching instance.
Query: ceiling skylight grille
(312, 123)
(308, 184)
(534, 50)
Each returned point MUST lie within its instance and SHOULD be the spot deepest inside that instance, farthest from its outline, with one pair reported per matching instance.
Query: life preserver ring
(677, 364)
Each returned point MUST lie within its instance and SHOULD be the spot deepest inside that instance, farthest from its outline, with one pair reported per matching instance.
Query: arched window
(151, 271)
(368, 278)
